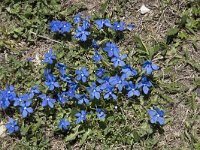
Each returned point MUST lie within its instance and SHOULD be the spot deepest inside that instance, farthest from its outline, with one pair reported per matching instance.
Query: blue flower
(62, 68)
(109, 92)
(104, 82)
(47, 101)
(100, 113)
(66, 78)
(50, 80)
(25, 109)
(49, 57)
(156, 116)
(55, 26)
(100, 23)
(73, 85)
(100, 71)
(77, 18)
(71, 93)
(118, 26)
(95, 45)
(132, 88)
(81, 33)
(111, 49)
(128, 71)
(6, 96)
(118, 61)
(82, 99)
(119, 81)
(34, 90)
(64, 124)
(82, 74)
(81, 116)
(10, 92)
(145, 84)
(66, 27)
(61, 98)
(97, 57)
(18, 101)
(86, 24)
(94, 91)
(4, 100)
(130, 27)
(4, 103)
(12, 126)
(72, 89)
(149, 67)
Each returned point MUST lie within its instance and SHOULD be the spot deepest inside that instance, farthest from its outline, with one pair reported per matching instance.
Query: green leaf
(173, 31)
(24, 129)
(85, 135)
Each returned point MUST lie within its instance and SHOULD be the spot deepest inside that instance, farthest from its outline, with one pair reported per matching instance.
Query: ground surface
(179, 74)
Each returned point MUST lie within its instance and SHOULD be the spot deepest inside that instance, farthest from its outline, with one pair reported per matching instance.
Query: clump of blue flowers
(80, 87)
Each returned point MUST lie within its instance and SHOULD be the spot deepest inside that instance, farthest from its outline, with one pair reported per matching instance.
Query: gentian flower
(61, 98)
(94, 91)
(25, 109)
(18, 101)
(97, 57)
(4, 99)
(66, 78)
(86, 24)
(81, 33)
(149, 67)
(50, 80)
(77, 18)
(71, 93)
(55, 26)
(118, 61)
(72, 90)
(111, 49)
(95, 45)
(100, 113)
(118, 26)
(47, 101)
(81, 116)
(156, 116)
(132, 88)
(12, 126)
(62, 68)
(100, 23)
(47, 72)
(104, 82)
(34, 90)
(119, 81)
(130, 27)
(145, 84)
(66, 27)
(10, 92)
(64, 124)
(4, 103)
(73, 85)
(109, 92)
(82, 99)
(100, 71)
(82, 74)
(49, 57)
(128, 71)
